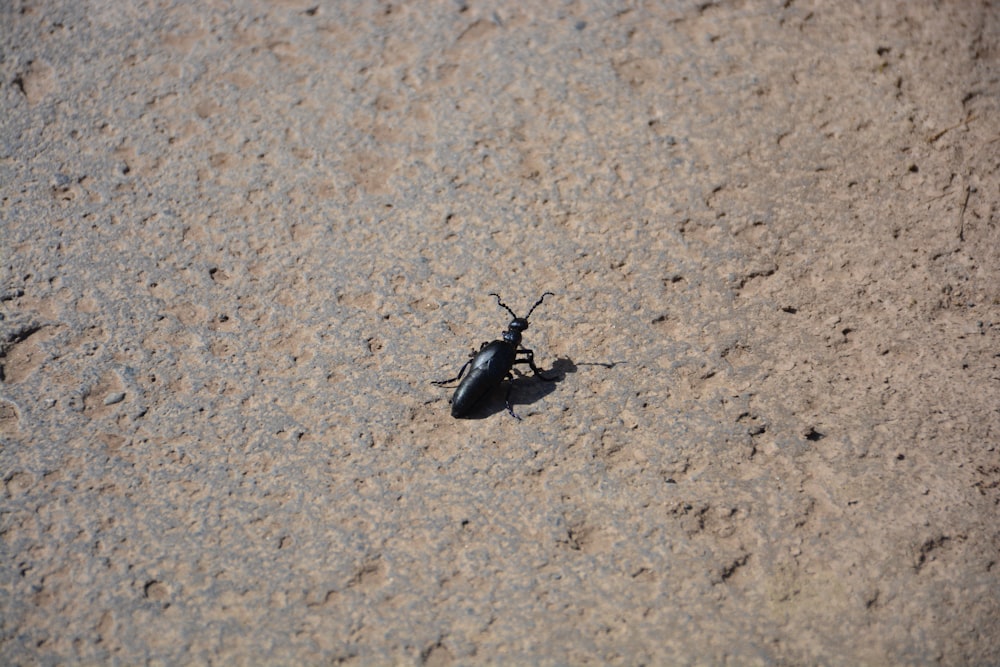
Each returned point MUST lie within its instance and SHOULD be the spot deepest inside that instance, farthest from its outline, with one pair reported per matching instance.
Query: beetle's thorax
(512, 337)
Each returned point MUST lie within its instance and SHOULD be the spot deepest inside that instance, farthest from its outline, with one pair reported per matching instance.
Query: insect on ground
(492, 364)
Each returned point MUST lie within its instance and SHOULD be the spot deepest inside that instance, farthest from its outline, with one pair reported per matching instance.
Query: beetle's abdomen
(469, 392)
(489, 368)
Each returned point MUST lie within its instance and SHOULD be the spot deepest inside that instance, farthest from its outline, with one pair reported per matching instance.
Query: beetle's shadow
(525, 389)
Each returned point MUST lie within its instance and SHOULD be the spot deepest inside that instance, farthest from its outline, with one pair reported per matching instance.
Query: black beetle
(492, 364)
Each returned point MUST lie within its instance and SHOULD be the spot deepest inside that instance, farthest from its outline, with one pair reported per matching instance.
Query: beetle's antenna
(504, 305)
(538, 303)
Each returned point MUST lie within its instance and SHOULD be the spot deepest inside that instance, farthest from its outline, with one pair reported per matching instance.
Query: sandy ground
(239, 241)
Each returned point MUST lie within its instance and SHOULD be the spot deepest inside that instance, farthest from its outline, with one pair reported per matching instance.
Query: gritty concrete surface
(240, 239)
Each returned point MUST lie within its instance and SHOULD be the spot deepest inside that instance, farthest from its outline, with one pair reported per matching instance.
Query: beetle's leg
(530, 360)
(510, 386)
(457, 377)
(472, 355)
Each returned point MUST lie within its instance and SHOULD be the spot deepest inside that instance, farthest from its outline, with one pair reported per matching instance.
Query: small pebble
(116, 397)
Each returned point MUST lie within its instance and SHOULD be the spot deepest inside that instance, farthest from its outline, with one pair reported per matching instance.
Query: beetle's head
(518, 324)
(513, 333)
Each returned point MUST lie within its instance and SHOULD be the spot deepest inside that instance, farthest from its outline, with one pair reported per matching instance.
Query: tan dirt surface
(239, 240)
